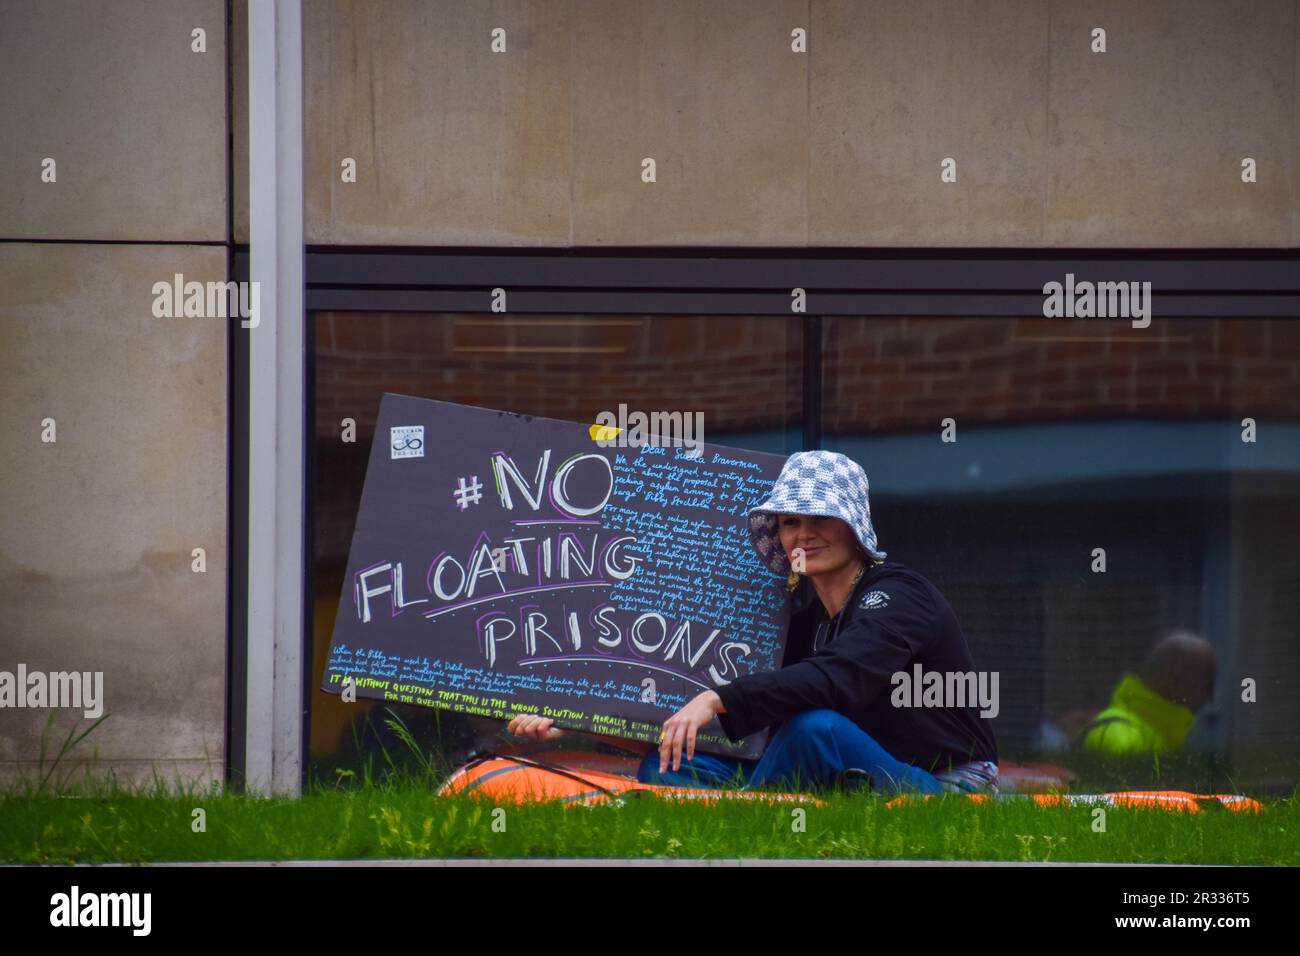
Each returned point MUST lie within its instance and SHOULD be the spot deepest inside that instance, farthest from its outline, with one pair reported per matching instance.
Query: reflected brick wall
(742, 373)
(894, 374)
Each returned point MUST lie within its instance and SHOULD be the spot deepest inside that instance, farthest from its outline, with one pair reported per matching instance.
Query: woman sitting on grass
(856, 621)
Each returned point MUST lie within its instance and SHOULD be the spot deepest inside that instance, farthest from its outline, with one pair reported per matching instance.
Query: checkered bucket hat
(813, 483)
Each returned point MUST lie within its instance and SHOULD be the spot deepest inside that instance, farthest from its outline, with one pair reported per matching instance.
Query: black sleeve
(845, 675)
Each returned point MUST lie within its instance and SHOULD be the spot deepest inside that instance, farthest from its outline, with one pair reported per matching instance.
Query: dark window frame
(905, 282)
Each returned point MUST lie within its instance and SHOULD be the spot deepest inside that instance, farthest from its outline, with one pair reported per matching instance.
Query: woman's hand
(681, 727)
(531, 725)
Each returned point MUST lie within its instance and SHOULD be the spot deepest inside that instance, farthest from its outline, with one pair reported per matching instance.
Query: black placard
(506, 564)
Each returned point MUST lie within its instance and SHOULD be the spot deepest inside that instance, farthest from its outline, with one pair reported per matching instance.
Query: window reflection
(1010, 458)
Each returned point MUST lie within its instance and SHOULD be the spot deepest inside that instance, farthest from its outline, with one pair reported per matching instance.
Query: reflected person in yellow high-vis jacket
(1153, 710)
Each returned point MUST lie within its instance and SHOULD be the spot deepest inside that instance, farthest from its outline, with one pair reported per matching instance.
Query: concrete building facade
(776, 127)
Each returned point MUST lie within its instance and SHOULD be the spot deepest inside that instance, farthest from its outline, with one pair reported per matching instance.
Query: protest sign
(506, 564)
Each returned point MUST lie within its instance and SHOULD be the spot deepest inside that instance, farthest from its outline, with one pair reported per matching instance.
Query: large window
(1011, 459)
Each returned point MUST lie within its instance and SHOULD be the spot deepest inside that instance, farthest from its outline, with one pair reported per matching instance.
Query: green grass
(391, 811)
(412, 822)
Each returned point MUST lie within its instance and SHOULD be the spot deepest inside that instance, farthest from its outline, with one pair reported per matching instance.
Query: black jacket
(893, 619)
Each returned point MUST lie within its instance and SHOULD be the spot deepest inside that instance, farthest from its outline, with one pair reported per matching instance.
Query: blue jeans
(809, 750)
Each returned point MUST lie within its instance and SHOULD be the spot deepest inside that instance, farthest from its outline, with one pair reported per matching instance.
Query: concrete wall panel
(1145, 141)
(134, 119)
(239, 112)
(899, 86)
(756, 145)
(1295, 127)
(454, 144)
(715, 95)
(98, 527)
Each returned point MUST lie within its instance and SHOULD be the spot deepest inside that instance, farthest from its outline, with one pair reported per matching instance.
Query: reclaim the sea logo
(874, 599)
(407, 440)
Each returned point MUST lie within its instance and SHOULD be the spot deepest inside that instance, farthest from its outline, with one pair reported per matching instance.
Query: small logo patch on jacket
(874, 599)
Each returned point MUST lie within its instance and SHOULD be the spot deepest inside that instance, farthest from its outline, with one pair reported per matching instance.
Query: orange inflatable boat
(1160, 799)
(519, 779)
(593, 779)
